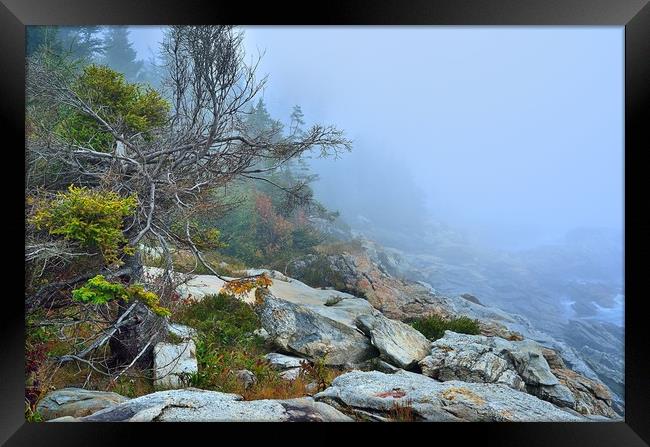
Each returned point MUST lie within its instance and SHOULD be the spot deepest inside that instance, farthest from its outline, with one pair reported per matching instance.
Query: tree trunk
(143, 330)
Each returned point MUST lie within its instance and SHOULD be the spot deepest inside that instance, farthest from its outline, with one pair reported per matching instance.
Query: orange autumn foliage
(241, 287)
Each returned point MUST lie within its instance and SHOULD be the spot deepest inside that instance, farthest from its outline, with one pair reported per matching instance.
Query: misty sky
(505, 129)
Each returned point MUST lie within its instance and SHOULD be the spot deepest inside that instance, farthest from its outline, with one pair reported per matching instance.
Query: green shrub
(140, 109)
(93, 218)
(433, 327)
(32, 415)
(98, 290)
(225, 341)
(227, 320)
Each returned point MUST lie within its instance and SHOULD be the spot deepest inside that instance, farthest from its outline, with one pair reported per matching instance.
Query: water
(614, 315)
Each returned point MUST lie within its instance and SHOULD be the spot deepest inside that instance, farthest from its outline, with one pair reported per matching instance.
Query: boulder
(173, 363)
(246, 377)
(397, 342)
(290, 374)
(193, 405)
(471, 298)
(470, 359)
(76, 402)
(475, 358)
(283, 362)
(302, 331)
(527, 357)
(377, 396)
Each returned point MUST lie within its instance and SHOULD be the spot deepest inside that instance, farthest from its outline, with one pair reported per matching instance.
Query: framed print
(392, 220)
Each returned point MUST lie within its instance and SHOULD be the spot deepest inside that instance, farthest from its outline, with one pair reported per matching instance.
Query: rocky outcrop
(476, 358)
(397, 342)
(395, 298)
(368, 272)
(591, 397)
(76, 402)
(193, 405)
(195, 287)
(173, 363)
(353, 332)
(300, 330)
(377, 396)
(521, 365)
(610, 368)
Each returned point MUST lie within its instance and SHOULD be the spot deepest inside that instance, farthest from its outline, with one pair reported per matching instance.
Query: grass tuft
(433, 327)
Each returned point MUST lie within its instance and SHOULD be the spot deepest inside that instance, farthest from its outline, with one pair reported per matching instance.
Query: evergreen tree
(81, 42)
(78, 42)
(38, 37)
(152, 73)
(297, 169)
(297, 121)
(259, 120)
(119, 53)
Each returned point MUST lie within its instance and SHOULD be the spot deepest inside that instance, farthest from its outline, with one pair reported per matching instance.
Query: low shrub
(93, 218)
(98, 290)
(433, 327)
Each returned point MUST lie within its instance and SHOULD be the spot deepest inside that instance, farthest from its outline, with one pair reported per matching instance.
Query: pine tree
(259, 121)
(152, 73)
(81, 42)
(297, 121)
(119, 53)
(38, 37)
(298, 169)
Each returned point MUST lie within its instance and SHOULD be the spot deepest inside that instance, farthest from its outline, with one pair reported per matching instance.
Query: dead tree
(203, 146)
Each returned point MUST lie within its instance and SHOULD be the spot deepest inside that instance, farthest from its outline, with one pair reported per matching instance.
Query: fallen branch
(100, 341)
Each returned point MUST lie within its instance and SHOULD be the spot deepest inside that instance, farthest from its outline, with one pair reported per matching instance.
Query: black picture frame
(634, 15)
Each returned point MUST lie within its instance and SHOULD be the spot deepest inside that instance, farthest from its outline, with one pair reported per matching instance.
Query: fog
(514, 134)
